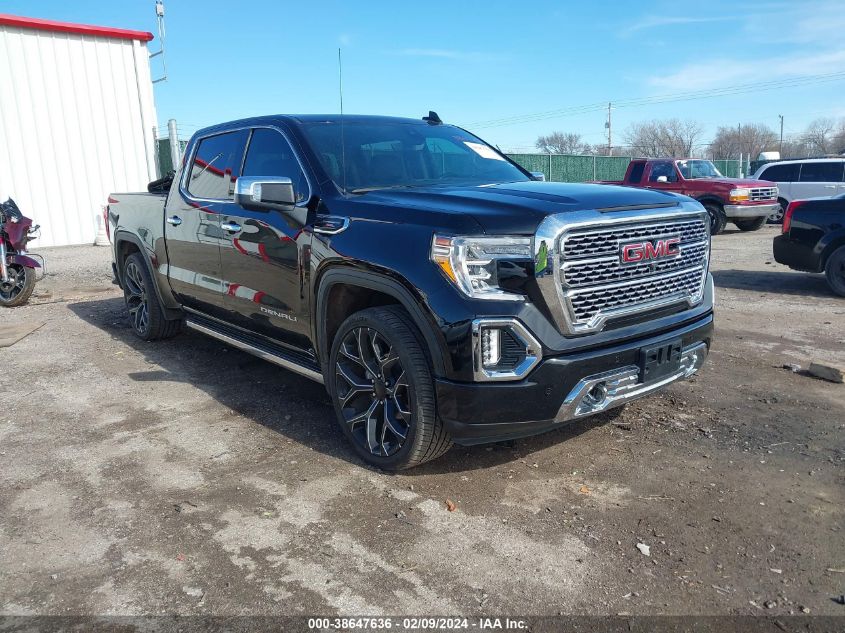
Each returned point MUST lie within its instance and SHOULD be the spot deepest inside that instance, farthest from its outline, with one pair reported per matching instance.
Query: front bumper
(561, 388)
(750, 210)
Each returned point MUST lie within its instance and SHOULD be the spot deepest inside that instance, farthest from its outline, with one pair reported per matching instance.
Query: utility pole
(175, 150)
(780, 116)
(609, 131)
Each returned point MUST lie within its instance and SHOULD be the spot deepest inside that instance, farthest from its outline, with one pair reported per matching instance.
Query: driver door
(664, 177)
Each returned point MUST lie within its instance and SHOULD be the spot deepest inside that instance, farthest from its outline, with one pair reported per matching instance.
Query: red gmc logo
(636, 252)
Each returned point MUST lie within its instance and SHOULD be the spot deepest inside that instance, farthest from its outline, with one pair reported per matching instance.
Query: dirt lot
(146, 478)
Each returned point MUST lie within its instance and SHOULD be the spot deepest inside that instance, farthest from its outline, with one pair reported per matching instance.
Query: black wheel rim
(136, 298)
(9, 290)
(373, 392)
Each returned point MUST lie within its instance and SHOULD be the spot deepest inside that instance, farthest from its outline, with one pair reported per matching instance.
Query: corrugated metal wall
(571, 168)
(76, 123)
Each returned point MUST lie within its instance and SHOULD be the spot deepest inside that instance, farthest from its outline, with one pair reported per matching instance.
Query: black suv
(440, 292)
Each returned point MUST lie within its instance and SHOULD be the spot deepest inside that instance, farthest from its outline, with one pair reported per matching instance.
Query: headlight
(740, 195)
(472, 263)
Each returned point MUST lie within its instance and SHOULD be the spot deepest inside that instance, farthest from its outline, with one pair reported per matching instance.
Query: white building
(77, 121)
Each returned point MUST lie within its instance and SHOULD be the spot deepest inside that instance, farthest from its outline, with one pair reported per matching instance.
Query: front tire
(18, 289)
(777, 216)
(146, 315)
(834, 270)
(383, 392)
(751, 224)
(718, 220)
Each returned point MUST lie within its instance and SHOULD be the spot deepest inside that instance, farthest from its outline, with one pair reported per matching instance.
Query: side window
(636, 174)
(663, 169)
(216, 166)
(781, 173)
(821, 172)
(269, 154)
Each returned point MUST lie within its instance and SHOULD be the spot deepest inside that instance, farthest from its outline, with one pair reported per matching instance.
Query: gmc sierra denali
(440, 292)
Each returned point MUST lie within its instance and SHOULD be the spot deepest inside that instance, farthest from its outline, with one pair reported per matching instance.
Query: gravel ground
(187, 477)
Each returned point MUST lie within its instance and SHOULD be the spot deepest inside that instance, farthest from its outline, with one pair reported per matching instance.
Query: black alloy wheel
(373, 391)
(380, 380)
(137, 301)
(835, 271)
(17, 290)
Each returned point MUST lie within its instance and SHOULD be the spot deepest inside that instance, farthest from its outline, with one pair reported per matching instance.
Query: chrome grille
(763, 193)
(596, 285)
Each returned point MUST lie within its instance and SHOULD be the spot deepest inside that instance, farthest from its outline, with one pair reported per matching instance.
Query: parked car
(438, 291)
(813, 239)
(746, 203)
(803, 179)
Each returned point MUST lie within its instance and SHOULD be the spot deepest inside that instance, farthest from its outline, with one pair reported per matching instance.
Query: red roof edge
(69, 27)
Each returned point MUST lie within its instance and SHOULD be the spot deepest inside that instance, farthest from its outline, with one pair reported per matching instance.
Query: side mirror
(662, 179)
(265, 192)
(538, 175)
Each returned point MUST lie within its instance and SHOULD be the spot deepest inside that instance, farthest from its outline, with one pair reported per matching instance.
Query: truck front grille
(595, 284)
(763, 193)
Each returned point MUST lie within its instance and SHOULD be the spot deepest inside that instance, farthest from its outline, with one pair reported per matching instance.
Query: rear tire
(751, 224)
(146, 315)
(834, 270)
(19, 288)
(380, 382)
(718, 219)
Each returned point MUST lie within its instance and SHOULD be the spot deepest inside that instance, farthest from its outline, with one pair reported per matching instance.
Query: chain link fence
(574, 168)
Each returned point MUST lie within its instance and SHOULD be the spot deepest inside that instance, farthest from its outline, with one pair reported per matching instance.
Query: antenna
(160, 21)
(342, 134)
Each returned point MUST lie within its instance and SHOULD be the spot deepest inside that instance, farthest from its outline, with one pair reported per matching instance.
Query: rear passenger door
(262, 252)
(818, 178)
(192, 220)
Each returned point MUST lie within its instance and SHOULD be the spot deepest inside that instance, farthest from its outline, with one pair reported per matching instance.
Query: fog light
(491, 347)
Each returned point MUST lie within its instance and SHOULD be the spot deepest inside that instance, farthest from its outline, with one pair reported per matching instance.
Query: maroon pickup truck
(742, 201)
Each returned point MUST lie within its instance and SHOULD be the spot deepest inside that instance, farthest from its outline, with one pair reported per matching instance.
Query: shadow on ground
(777, 281)
(287, 403)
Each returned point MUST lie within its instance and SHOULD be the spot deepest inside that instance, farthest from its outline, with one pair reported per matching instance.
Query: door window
(269, 154)
(821, 172)
(216, 166)
(663, 169)
(781, 173)
(636, 174)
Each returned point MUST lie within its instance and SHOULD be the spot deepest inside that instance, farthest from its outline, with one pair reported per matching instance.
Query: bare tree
(748, 140)
(819, 136)
(669, 138)
(562, 143)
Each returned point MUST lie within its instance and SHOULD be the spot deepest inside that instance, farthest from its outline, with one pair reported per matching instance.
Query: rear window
(781, 173)
(822, 172)
(216, 166)
(636, 174)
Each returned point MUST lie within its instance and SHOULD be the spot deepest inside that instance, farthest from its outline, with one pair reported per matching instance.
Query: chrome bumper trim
(609, 389)
(750, 210)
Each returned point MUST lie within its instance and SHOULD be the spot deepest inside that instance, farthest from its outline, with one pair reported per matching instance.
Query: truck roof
(296, 119)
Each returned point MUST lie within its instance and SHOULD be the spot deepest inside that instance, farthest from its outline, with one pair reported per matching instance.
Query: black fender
(23, 260)
(172, 308)
(381, 283)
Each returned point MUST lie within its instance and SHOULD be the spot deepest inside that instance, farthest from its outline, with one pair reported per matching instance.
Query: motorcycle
(17, 267)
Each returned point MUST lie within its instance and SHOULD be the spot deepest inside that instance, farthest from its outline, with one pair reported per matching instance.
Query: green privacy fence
(571, 168)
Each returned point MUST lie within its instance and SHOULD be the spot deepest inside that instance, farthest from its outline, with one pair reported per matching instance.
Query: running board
(265, 352)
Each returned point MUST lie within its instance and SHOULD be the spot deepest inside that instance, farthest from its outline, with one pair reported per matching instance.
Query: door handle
(174, 220)
(232, 227)
(830, 186)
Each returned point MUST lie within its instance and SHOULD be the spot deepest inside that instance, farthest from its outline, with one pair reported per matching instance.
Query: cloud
(446, 53)
(655, 21)
(720, 73)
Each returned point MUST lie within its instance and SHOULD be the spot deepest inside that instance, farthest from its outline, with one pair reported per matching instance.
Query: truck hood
(518, 207)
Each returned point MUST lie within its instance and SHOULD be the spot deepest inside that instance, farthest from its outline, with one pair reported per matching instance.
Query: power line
(711, 93)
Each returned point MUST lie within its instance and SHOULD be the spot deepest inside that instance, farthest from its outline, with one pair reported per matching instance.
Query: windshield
(692, 169)
(385, 154)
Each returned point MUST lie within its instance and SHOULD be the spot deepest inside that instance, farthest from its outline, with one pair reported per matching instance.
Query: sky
(508, 71)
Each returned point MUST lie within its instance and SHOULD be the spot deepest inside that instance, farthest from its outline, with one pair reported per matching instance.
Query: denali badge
(647, 251)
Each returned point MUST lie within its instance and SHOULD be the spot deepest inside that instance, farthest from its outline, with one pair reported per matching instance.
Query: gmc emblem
(647, 251)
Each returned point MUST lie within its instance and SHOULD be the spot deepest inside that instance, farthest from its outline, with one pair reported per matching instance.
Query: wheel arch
(125, 244)
(367, 288)
(834, 243)
(709, 197)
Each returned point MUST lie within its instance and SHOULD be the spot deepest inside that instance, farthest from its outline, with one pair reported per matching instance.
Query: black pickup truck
(440, 292)
(813, 239)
